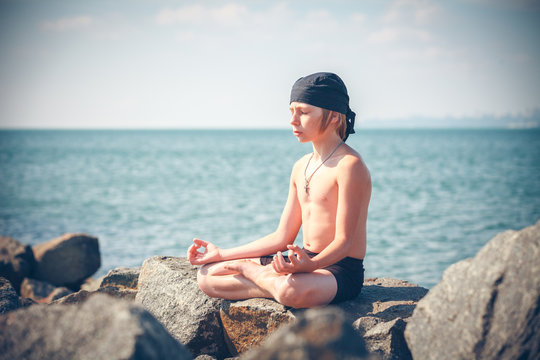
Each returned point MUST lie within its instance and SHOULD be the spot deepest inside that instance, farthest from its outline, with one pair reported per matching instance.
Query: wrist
(222, 254)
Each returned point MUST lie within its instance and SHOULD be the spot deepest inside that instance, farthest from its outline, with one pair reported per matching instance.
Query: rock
(246, 323)
(205, 357)
(102, 327)
(67, 260)
(91, 284)
(83, 295)
(9, 300)
(74, 298)
(16, 261)
(487, 307)
(168, 289)
(387, 340)
(380, 312)
(119, 292)
(57, 293)
(378, 315)
(122, 277)
(41, 291)
(25, 302)
(320, 333)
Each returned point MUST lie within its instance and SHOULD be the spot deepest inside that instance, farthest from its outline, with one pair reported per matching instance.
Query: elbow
(282, 240)
(344, 245)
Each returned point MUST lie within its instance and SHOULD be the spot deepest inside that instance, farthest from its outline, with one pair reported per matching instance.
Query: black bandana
(327, 91)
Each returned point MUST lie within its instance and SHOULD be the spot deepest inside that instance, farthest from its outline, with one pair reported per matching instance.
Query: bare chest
(319, 188)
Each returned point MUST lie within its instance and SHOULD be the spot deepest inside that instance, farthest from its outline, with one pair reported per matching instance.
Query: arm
(289, 225)
(354, 192)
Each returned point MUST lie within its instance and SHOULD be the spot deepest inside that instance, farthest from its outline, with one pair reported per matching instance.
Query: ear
(334, 118)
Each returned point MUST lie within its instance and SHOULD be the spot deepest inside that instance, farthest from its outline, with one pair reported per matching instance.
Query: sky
(231, 64)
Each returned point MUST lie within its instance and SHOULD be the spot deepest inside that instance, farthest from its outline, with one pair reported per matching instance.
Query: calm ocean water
(438, 195)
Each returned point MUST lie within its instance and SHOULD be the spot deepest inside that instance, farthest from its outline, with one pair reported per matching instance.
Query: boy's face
(305, 121)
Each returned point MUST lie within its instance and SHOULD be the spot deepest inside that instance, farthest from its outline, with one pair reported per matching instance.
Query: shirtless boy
(329, 195)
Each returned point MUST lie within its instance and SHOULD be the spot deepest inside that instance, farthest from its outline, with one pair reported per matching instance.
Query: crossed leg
(247, 278)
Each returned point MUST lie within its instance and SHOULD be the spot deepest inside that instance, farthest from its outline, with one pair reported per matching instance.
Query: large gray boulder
(168, 288)
(101, 328)
(246, 323)
(487, 307)
(67, 260)
(9, 300)
(16, 261)
(322, 333)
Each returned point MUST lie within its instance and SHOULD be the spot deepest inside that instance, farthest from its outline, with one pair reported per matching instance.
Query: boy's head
(327, 91)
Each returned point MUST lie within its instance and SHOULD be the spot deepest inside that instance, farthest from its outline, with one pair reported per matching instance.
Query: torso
(319, 205)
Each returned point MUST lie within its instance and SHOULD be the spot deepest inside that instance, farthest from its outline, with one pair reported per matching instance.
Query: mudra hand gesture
(210, 254)
(300, 261)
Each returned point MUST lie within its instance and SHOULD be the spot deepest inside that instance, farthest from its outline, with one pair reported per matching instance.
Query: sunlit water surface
(438, 195)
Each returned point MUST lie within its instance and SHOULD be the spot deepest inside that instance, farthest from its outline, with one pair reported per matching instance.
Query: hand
(210, 254)
(300, 262)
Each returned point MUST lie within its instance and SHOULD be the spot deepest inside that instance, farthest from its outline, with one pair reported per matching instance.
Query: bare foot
(222, 268)
(249, 269)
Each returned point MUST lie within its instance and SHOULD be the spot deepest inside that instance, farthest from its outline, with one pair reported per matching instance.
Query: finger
(192, 249)
(280, 259)
(294, 259)
(294, 251)
(280, 269)
(275, 266)
(200, 242)
(294, 248)
(300, 253)
(282, 263)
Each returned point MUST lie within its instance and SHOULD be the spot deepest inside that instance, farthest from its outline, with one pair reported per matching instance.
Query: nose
(294, 119)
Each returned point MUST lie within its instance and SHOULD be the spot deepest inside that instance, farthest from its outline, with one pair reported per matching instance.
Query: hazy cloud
(420, 12)
(228, 14)
(395, 34)
(399, 58)
(65, 24)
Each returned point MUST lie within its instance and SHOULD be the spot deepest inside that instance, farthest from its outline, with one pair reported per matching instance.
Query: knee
(294, 296)
(203, 279)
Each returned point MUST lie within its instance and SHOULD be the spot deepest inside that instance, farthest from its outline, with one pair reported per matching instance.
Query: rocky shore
(486, 307)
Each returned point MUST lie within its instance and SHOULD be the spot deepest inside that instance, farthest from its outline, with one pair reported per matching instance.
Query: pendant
(306, 187)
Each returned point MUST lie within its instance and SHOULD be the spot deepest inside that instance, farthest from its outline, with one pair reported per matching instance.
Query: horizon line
(487, 127)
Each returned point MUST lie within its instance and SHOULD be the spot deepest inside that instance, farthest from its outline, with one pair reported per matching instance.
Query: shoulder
(352, 166)
(300, 164)
(298, 168)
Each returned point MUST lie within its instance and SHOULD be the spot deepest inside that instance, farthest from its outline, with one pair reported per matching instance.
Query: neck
(324, 146)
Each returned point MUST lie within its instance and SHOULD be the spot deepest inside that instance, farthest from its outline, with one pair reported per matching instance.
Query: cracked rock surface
(168, 289)
(487, 307)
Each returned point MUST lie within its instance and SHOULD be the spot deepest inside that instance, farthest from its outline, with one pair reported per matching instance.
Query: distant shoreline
(359, 129)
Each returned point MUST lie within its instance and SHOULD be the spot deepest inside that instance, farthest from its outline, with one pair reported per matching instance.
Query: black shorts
(349, 274)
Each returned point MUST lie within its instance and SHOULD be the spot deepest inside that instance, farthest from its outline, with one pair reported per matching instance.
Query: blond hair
(341, 127)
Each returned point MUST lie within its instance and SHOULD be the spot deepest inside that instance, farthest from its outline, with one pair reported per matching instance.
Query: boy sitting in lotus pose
(329, 195)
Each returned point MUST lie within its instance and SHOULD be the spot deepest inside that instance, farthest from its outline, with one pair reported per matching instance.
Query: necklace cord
(306, 187)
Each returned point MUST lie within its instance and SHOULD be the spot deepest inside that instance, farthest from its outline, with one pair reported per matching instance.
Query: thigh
(318, 288)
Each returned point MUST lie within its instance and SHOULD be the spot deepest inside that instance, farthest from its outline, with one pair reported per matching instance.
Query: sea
(438, 195)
